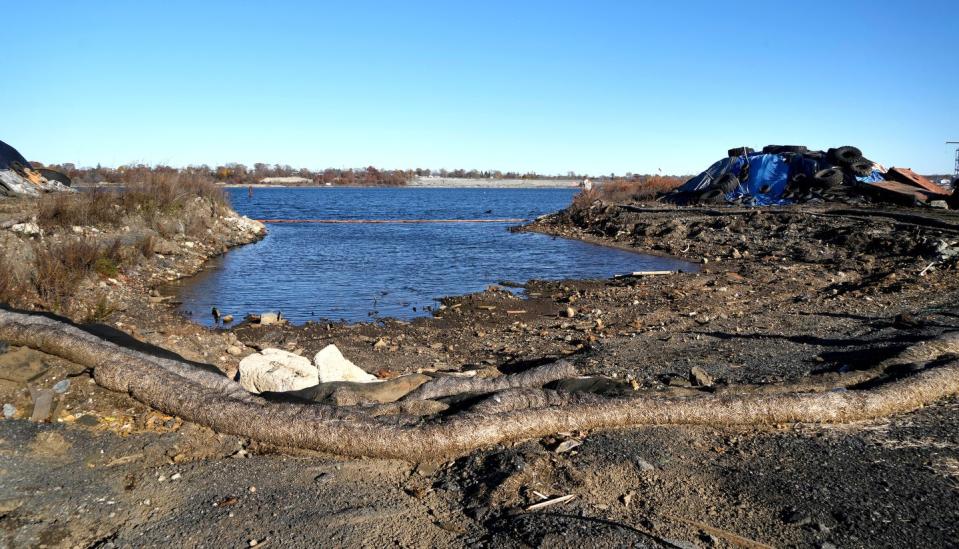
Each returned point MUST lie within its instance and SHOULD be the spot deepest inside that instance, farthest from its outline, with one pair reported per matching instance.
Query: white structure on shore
(293, 180)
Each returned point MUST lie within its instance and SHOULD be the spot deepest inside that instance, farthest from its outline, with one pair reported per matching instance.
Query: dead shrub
(61, 267)
(584, 198)
(169, 192)
(102, 310)
(58, 272)
(633, 189)
(146, 246)
(96, 207)
(158, 196)
(643, 188)
(9, 284)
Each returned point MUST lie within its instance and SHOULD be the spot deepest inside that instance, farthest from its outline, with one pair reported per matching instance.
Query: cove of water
(358, 272)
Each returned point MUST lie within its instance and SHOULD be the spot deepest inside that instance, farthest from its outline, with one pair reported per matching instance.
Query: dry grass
(9, 285)
(61, 267)
(102, 310)
(639, 189)
(157, 196)
(628, 190)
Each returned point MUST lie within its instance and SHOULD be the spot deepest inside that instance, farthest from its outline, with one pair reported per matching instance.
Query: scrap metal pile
(19, 178)
(787, 174)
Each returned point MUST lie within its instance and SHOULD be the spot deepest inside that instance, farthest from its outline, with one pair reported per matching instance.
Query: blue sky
(593, 87)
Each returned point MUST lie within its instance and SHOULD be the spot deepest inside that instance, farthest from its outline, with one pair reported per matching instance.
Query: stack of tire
(822, 175)
(825, 175)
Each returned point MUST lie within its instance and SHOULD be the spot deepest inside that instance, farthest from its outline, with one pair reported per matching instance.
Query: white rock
(276, 370)
(270, 318)
(333, 366)
(28, 229)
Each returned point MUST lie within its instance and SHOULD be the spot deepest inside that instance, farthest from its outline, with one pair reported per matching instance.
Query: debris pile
(787, 174)
(18, 177)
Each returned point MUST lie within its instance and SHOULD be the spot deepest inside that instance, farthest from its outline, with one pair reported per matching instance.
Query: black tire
(845, 156)
(739, 151)
(780, 149)
(799, 180)
(711, 195)
(54, 175)
(727, 183)
(828, 178)
(861, 167)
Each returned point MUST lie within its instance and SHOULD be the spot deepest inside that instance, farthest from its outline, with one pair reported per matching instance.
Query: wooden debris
(645, 273)
(551, 502)
(725, 534)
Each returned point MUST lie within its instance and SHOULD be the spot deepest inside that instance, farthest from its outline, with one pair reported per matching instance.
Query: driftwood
(534, 377)
(204, 397)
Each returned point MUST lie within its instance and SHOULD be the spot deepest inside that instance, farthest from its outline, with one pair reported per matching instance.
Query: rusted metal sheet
(903, 193)
(909, 177)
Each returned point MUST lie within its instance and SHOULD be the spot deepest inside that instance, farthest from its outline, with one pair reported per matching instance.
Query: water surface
(356, 272)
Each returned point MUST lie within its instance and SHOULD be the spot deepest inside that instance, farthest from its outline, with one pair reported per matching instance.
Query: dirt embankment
(781, 294)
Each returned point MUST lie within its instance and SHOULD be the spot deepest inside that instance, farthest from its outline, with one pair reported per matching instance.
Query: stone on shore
(267, 319)
(276, 370)
(333, 366)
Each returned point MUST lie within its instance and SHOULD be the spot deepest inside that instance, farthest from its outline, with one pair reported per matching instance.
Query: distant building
(286, 181)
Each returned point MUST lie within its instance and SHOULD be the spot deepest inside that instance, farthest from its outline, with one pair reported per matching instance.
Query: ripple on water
(357, 271)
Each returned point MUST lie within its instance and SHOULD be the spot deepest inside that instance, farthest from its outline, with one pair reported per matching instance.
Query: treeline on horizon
(240, 174)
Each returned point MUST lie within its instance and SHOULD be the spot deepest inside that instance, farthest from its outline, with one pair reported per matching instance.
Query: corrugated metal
(909, 177)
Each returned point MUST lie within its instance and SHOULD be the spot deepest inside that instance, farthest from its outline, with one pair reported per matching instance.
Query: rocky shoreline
(781, 294)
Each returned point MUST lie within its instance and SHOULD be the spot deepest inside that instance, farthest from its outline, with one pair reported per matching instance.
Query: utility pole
(955, 173)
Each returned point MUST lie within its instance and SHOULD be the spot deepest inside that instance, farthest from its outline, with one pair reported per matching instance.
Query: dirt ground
(778, 294)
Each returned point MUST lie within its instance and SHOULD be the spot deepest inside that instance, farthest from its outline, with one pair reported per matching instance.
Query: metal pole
(955, 174)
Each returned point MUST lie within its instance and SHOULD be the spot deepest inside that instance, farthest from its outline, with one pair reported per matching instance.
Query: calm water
(357, 271)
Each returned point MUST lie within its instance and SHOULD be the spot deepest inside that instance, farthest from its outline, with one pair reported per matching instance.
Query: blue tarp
(766, 183)
(874, 177)
(764, 172)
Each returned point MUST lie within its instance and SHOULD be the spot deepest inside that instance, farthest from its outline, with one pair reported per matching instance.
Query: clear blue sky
(594, 87)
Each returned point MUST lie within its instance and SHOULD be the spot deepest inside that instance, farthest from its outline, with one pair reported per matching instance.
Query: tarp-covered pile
(785, 174)
(18, 177)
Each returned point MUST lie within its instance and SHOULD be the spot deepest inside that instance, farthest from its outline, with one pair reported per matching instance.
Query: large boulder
(278, 371)
(333, 366)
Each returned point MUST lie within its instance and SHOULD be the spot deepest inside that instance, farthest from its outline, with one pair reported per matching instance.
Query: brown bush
(585, 197)
(9, 285)
(631, 189)
(61, 267)
(146, 246)
(643, 188)
(102, 310)
(157, 195)
(59, 270)
(169, 192)
(97, 207)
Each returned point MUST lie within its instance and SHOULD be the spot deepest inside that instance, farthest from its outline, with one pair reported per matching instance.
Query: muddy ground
(779, 293)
